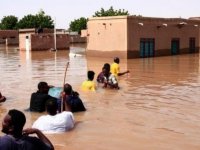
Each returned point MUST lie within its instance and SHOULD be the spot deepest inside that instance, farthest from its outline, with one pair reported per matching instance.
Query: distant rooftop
(194, 18)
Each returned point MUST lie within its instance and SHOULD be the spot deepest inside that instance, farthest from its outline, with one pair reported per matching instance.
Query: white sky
(66, 11)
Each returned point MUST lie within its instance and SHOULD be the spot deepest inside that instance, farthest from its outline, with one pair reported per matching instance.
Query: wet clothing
(60, 122)
(88, 85)
(75, 103)
(24, 143)
(115, 69)
(38, 101)
(101, 78)
(111, 79)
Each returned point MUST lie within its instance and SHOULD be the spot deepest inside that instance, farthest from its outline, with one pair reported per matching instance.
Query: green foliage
(39, 20)
(110, 12)
(78, 24)
(81, 23)
(28, 21)
(9, 23)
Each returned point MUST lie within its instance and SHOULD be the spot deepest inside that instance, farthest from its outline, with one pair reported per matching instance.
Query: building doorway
(147, 47)
(175, 45)
(27, 43)
(192, 45)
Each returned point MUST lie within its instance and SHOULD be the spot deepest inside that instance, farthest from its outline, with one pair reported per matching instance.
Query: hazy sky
(66, 11)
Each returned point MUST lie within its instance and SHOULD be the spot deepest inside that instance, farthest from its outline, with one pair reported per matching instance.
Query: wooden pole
(67, 65)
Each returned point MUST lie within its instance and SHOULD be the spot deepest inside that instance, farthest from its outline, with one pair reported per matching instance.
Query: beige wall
(22, 40)
(107, 34)
(83, 33)
(22, 37)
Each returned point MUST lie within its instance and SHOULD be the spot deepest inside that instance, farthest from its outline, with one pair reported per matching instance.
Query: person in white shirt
(54, 122)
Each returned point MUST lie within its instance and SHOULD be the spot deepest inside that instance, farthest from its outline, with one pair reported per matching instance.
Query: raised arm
(122, 73)
(40, 135)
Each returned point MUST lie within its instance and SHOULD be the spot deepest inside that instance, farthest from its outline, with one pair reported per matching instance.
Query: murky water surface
(156, 108)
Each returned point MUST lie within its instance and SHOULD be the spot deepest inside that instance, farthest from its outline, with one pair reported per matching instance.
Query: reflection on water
(157, 106)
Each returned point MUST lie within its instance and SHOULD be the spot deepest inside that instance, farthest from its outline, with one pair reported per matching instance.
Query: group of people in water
(59, 117)
(107, 77)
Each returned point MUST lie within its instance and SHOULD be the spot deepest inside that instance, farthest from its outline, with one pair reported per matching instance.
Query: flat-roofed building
(31, 39)
(136, 36)
(9, 37)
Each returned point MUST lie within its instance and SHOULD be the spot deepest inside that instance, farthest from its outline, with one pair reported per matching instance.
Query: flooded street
(156, 108)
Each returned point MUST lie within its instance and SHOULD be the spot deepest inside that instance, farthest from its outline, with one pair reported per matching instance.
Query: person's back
(75, 103)
(115, 69)
(72, 99)
(39, 98)
(54, 122)
(89, 85)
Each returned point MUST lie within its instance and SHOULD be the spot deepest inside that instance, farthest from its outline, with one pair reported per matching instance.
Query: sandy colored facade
(134, 37)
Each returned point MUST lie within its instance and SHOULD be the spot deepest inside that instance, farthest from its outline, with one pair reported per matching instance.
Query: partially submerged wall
(9, 37)
(31, 40)
(46, 41)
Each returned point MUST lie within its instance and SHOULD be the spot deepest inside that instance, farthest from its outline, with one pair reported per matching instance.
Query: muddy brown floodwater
(156, 108)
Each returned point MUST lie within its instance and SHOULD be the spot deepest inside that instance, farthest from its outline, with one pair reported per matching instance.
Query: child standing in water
(89, 84)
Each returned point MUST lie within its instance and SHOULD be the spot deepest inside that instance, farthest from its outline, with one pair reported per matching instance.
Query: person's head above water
(116, 60)
(68, 89)
(106, 69)
(13, 123)
(106, 66)
(90, 75)
(51, 107)
(43, 87)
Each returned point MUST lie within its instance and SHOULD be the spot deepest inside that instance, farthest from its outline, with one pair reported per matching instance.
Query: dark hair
(116, 59)
(90, 75)
(69, 91)
(51, 106)
(42, 85)
(67, 88)
(106, 66)
(18, 119)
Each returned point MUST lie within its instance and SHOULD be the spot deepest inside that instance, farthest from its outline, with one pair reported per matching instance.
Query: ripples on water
(157, 106)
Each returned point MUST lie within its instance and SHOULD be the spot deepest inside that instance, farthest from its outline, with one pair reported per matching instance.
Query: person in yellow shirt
(89, 85)
(115, 69)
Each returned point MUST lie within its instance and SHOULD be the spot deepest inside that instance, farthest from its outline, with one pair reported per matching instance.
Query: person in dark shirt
(39, 98)
(72, 100)
(18, 139)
